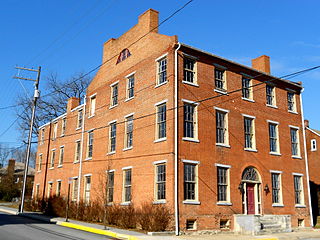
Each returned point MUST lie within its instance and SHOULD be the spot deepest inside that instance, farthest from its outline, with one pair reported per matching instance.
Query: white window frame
(110, 186)
(159, 72)
(50, 189)
(277, 153)
(128, 86)
(126, 146)
(194, 70)
(228, 193)
(158, 182)
(87, 192)
(247, 77)
(88, 144)
(112, 86)
(92, 106)
(63, 126)
(40, 162)
(110, 124)
(313, 145)
(55, 131)
(79, 119)
(273, 96)
(294, 102)
(302, 202)
(124, 171)
(224, 78)
(253, 129)
(296, 129)
(52, 158)
(61, 156)
(75, 185)
(157, 128)
(76, 155)
(280, 203)
(195, 121)
(196, 180)
(226, 127)
(42, 132)
(58, 190)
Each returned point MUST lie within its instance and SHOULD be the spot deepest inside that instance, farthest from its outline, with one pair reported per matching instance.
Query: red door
(250, 198)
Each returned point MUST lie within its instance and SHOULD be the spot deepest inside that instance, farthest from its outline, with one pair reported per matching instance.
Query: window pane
(189, 120)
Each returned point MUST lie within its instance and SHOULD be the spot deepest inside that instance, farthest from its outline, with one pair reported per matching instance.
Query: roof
(317, 132)
(18, 169)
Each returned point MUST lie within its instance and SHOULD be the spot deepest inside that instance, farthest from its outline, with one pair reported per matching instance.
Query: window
(53, 155)
(221, 127)
(313, 145)
(129, 132)
(112, 136)
(190, 181)
(246, 88)
(249, 138)
(160, 182)
(77, 152)
(127, 185)
(190, 121)
(42, 136)
(110, 186)
(291, 102)
(40, 162)
(270, 94)
(63, 126)
(223, 184)
(87, 188)
(219, 79)
(58, 192)
(61, 156)
(162, 71)
(80, 118)
(276, 188)
(92, 106)
(294, 142)
(130, 87)
(114, 95)
(125, 53)
(55, 130)
(90, 144)
(50, 185)
(189, 70)
(37, 191)
(161, 121)
(191, 224)
(74, 189)
(273, 138)
(298, 189)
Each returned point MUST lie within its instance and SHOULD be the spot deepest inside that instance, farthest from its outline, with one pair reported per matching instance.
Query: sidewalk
(133, 235)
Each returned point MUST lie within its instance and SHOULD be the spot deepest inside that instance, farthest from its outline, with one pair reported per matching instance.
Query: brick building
(220, 143)
(312, 140)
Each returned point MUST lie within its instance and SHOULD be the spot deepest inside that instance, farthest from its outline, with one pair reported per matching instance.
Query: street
(14, 227)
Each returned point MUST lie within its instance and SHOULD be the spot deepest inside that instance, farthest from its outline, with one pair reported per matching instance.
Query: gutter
(306, 159)
(176, 103)
(82, 146)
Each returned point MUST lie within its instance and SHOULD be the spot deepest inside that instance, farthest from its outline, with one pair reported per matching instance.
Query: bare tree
(4, 154)
(51, 105)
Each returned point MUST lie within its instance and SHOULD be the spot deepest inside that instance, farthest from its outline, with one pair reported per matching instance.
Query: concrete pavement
(133, 235)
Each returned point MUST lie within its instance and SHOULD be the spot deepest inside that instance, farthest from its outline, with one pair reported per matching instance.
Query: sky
(66, 37)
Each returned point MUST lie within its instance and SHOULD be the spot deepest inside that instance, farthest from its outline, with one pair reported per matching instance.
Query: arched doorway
(251, 191)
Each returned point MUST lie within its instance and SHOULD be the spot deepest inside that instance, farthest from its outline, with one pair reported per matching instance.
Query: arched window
(125, 53)
(250, 174)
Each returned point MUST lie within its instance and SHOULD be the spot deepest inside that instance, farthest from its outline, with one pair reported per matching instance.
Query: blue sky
(67, 36)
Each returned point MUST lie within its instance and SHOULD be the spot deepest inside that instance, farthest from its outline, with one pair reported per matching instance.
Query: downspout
(306, 158)
(176, 104)
(82, 146)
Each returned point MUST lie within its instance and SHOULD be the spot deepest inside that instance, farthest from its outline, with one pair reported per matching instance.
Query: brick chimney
(262, 64)
(10, 169)
(306, 123)
(149, 20)
(72, 103)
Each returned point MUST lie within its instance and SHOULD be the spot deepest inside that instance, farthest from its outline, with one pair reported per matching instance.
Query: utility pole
(35, 98)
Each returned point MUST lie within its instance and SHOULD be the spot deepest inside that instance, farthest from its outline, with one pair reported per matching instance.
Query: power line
(5, 131)
(291, 75)
(100, 65)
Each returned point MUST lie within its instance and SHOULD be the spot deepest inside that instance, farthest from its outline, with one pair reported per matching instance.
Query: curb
(96, 231)
(9, 211)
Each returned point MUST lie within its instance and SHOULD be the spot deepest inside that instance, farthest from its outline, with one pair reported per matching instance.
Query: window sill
(160, 140)
(111, 153)
(128, 99)
(128, 148)
(51, 168)
(296, 157)
(223, 145)
(250, 149)
(160, 84)
(59, 166)
(159, 202)
(91, 116)
(39, 171)
(62, 135)
(223, 92)
(78, 128)
(300, 206)
(76, 162)
(191, 202)
(88, 158)
(224, 203)
(294, 112)
(125, 204)
(272, 106)
(113, 106)
(277, 205)
(275, 153)
(248, 99)
(191, 83)
(190, 139)
(110, 204)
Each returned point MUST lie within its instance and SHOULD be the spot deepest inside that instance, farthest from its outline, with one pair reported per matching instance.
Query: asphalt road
(14, 227)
